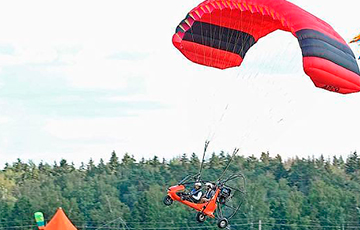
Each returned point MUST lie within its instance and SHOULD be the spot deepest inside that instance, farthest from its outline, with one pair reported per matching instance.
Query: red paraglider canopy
(60, 222)
(218, 33)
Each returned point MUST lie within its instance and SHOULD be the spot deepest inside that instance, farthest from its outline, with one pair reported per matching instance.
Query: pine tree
(214, 161)
(352, 163)
(320, 161)
(114, 162)
(265, 158)
(335, 162)
(341, 163)
(127, 160)
(280, 171)
(194, 160)
(155, 161)
(184, 160)
(101, 168)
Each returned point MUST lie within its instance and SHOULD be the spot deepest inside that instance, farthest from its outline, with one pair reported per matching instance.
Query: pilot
(196, 193)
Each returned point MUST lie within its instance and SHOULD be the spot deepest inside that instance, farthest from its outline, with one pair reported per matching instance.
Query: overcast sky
(79, 79)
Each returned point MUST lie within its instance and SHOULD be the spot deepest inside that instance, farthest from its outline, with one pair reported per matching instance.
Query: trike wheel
(223, 223)
(200, 217)
(167, 200)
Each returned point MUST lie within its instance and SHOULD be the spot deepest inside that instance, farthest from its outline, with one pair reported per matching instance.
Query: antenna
(207, 142)
(236, 150)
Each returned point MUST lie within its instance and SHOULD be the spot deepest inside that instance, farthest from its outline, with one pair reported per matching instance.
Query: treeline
(313, 193)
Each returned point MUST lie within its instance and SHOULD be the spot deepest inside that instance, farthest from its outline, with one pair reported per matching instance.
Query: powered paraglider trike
(227, 196)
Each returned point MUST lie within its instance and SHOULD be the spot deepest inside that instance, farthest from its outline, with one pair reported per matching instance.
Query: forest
(123, 193)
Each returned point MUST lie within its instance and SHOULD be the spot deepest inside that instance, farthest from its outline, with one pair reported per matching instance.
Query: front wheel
(223, 223)
(167, 200)
(200, 217)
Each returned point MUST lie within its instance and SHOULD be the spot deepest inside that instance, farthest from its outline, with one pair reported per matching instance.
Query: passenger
(210, 192)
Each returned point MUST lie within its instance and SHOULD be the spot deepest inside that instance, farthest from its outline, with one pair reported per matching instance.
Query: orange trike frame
(208, 208)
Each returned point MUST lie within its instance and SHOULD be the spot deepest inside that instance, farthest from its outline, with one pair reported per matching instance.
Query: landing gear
(168, 201)
(223, 223)
(200, 217)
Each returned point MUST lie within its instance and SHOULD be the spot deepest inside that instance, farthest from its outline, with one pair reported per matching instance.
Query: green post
(39, 218)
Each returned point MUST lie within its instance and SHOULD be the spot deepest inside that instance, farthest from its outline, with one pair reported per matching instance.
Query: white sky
(79, 79)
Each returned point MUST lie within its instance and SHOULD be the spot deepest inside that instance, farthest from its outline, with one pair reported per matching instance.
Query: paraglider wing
(355, 39)
(219, 33)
